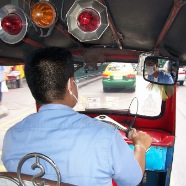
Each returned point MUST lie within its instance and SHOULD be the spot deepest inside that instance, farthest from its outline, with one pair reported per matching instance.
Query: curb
(84, 83)
(3, 111)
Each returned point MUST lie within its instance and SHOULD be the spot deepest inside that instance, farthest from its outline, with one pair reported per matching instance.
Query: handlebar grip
(129, 133)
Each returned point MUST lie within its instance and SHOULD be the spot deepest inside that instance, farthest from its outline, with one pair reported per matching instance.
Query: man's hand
(141, 138)
(142, 142)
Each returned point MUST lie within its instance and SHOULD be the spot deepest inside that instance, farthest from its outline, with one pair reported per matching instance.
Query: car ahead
(119, 76)
(181, 75)
(181, 72)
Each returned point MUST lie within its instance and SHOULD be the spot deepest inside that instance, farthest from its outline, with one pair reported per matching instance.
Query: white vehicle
(181, 75)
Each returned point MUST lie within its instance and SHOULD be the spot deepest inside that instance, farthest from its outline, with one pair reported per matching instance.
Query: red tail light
(182, 72)
(130, 76)
(88, 20)
(105, 76)
(12, 24)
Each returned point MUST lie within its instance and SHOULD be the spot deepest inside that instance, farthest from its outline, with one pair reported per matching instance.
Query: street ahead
(20, 103)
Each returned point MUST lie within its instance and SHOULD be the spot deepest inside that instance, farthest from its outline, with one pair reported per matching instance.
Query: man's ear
(69, 86)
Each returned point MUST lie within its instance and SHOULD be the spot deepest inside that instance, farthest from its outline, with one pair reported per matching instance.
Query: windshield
(113, 86)
(99, 90)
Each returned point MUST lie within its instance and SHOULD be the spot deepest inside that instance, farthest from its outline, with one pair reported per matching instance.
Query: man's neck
(66, 101)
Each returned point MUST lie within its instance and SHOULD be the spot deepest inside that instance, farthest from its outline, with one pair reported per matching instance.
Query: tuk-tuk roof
(135, 27)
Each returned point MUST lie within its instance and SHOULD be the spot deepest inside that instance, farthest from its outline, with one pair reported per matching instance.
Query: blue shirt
(87, 151)
(163, 78)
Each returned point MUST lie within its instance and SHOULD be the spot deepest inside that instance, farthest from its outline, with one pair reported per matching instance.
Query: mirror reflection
(160, 70)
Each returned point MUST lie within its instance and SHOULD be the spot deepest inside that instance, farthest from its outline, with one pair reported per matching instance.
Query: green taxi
(119, 76)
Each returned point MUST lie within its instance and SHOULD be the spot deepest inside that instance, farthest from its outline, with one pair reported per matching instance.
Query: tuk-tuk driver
(87, 151)
(159, 76)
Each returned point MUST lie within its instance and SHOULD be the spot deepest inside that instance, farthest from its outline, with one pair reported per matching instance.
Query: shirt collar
(55, 107)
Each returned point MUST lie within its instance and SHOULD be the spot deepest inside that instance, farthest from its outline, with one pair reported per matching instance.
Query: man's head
(48, 71)
(151, 61)
(151, 64)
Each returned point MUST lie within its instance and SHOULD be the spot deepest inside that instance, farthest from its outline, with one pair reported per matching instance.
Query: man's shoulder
(94, 122)
(24, 123)
(164, 73)
(95, 126)
(166, 77)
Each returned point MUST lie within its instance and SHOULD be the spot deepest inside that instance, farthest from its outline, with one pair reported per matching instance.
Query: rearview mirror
(160, 70)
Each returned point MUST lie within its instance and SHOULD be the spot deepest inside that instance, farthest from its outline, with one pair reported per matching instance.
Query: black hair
(47, 72)
(152, 58)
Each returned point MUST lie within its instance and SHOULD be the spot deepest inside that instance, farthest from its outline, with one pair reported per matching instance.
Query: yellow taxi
(119, 76)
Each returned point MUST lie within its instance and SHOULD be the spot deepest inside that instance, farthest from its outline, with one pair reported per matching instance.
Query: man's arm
(128, 165)
(142, 142)
(124, 166)
(139, 153)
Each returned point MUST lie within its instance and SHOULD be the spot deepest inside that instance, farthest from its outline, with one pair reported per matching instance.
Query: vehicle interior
(123, 31)
(133, 28)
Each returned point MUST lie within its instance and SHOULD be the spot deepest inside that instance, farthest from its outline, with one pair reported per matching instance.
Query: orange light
(43, 14)
(105, 76)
